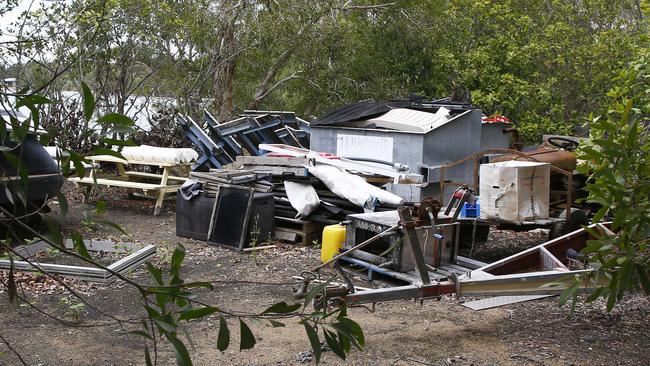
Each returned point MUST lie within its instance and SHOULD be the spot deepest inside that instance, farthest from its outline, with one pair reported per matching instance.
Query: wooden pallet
(298, 231)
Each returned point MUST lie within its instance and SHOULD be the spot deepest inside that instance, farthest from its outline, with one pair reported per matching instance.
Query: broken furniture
(213, 154)
(135, 255)
(151, 184)
(221, 142)
(226, 213)
(435, 133)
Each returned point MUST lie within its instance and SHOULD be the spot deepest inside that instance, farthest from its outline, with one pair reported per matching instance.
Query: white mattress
(154, 154)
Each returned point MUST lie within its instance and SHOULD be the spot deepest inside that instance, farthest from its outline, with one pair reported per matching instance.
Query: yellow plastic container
(333, 239)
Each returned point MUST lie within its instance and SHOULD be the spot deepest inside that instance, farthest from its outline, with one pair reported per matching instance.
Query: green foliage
(339, 332)
(544, 64)
(73, 308)
(172, 303)
(617, 160)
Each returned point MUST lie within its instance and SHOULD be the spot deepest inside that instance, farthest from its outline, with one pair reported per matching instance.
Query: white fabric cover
(515, 191)
(154, 154)
(303, 198)
(382, 195)
(352, 187)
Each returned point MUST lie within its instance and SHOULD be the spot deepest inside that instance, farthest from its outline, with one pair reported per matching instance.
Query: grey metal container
(422, 152)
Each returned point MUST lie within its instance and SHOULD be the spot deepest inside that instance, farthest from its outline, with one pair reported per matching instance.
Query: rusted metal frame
(488, 282)
(476, 156)
(529, 258)
(412, 239)
(557, 247)
(534, 283)
(569, 191)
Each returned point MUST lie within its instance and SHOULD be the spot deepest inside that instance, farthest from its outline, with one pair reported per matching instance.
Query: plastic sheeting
(303, 198)
(353, 188)
(163, 155)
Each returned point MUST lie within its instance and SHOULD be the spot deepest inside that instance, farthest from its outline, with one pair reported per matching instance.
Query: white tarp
(164, 155)
(302, 197)
(515, 191)
(353, 188)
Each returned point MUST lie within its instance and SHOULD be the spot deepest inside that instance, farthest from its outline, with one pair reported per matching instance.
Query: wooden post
(161, 191)
(121, 170)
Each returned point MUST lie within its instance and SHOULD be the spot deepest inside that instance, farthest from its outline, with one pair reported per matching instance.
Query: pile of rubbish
(309, 190)
(220, 143)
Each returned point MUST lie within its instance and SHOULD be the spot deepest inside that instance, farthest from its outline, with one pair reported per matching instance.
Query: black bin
(193, 217)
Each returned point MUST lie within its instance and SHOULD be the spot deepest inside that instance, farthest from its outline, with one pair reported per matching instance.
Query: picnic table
(157, 185)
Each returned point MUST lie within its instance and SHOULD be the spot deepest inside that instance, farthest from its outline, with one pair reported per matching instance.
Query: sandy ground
(397, 333)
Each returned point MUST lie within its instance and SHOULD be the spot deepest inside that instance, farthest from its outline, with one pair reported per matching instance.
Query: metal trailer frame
(542, 270)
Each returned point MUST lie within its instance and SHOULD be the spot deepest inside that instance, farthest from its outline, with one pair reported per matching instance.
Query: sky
(10, 17)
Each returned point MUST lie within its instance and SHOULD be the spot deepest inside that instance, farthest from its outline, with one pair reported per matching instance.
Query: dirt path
(397, 333)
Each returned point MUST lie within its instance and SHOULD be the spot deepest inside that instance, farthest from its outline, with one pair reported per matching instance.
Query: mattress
(160, 155)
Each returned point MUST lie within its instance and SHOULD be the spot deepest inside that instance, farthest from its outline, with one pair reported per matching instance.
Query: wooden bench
(166, 183)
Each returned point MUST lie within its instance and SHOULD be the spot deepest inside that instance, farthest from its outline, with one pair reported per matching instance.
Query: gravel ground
(397, 333)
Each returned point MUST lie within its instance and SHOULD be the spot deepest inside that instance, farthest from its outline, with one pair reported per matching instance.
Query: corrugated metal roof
(407, 120)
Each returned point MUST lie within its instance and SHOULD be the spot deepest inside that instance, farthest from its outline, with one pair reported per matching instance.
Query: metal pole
(358, 246)
(412, 239)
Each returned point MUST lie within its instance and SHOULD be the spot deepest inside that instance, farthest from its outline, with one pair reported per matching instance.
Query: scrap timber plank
(300, 231)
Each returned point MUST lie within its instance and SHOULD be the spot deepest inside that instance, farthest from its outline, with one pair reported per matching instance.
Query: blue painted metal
(220, 143)
(229, 143)
(212, 155)
(372, 269)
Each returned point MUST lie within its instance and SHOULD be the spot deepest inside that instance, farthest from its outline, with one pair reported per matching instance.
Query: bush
(618, 162)
(164, 132)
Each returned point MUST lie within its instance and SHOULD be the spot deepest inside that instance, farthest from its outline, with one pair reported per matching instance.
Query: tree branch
(256, 101)
(13, 350)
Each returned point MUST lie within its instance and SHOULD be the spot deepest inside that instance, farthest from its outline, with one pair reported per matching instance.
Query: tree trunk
(226, 61)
